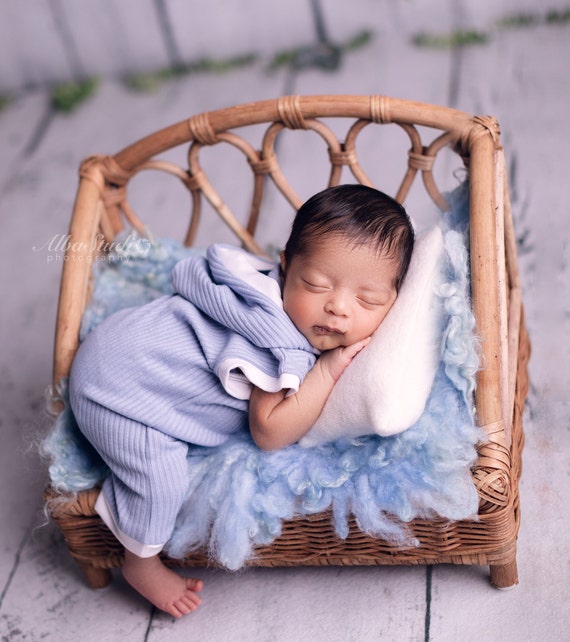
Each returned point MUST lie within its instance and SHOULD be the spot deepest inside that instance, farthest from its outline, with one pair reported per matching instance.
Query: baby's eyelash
(314, 285)
(373, 300)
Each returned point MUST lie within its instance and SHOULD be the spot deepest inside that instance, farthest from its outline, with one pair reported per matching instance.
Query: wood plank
(337, 604)
(117, 38)
(525, 612)
(22, 65)
(21, 121)
(48, 599)
(226, 29)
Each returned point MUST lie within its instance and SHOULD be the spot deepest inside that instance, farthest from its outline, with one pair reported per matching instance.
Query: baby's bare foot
(161, 586)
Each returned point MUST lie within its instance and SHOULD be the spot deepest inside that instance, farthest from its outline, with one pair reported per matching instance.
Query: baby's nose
(338, 305)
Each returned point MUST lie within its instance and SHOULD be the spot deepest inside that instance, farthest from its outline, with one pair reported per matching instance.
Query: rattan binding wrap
(102, 208)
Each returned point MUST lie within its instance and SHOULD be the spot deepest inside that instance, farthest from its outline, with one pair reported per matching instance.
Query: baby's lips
(325, 330)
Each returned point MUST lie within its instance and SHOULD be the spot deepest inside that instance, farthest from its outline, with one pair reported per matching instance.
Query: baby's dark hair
(363, 215)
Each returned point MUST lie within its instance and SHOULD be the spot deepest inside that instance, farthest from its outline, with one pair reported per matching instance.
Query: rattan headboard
(102, 205)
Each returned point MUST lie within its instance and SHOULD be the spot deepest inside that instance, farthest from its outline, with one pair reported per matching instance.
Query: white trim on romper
(138, 548)
(238, 384)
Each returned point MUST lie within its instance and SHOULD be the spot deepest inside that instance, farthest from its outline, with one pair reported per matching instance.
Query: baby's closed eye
(316, 286)
(372, 300)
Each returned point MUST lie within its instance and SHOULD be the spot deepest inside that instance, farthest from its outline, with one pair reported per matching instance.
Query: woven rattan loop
(91, 170)
(343, 157)
(195, 180)
(479, 126)
(496, 435)
(263, 165)
(494, 488)
(202, 130)
(420, 161)
(379, 109)
(491, 125)
(289, 109)
(114, 173)
(495, 427)
(103, 169)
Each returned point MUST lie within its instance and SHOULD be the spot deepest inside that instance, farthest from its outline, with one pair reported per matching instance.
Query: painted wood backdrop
(44, 42)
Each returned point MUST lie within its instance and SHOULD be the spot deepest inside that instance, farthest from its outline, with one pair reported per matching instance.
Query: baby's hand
(336, 361)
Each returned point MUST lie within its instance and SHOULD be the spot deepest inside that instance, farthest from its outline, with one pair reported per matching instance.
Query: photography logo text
(61, 248)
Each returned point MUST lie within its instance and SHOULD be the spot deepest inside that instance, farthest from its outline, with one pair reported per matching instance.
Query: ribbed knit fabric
(149, 380)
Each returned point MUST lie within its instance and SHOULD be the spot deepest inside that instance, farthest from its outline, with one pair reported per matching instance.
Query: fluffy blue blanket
(238, 496)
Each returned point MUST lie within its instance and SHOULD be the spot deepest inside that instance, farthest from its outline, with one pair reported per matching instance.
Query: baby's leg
(161, 586)
(142, 497)
(149, 475)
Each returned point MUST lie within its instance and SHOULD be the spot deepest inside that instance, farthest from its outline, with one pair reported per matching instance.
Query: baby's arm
(277, 421)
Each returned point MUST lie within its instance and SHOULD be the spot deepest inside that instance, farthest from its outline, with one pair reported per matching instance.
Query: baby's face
(339, 294)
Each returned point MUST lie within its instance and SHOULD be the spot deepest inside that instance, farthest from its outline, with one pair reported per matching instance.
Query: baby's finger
(355, 348)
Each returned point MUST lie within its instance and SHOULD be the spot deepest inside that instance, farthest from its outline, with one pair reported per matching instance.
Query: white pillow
(385, 389)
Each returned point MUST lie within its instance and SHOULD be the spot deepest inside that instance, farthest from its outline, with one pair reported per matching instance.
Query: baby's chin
(324, 343)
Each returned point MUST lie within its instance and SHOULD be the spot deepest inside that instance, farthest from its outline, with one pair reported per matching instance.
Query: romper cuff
(138, 548)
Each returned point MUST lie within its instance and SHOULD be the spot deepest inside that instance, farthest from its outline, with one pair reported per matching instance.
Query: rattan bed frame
(101, 207)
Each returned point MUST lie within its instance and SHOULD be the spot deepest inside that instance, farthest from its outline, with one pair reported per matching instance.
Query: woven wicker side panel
(311, 542)
(308, 541)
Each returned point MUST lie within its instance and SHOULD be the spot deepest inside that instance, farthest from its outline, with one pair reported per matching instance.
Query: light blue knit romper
(151, 380)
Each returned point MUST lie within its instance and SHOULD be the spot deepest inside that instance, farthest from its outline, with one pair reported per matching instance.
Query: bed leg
(96, 578)
(504, 576)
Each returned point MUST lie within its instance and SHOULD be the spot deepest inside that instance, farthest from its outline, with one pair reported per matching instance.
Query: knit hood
(241, 292)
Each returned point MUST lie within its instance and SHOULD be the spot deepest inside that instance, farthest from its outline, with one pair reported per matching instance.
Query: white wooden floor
(521, 77)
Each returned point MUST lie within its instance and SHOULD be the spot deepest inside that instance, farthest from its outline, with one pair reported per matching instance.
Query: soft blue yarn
(238, 496)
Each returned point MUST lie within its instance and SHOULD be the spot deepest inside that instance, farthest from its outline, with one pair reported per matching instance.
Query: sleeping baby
(242, 344)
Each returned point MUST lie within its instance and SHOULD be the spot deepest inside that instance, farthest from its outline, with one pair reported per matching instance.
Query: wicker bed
(101, 207)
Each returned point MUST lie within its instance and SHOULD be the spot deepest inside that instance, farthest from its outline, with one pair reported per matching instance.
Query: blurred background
(47, 42)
